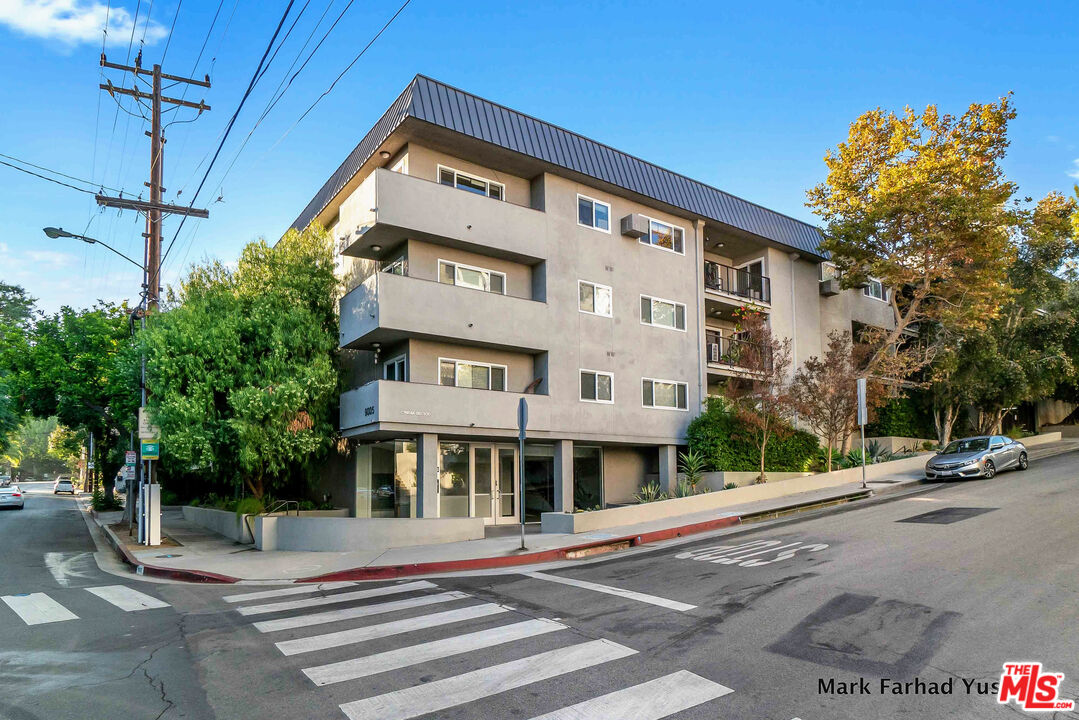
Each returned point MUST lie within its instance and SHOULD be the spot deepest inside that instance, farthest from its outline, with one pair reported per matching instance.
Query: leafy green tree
(242, 368)
(16, 313)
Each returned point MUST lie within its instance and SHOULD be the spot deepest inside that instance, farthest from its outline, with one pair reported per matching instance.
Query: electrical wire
(43, 177)
(169, 40)
(342, 73)
(228, 129)
(57, 172)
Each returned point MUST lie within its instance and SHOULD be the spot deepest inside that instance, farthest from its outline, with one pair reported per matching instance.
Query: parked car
(11, 496)
(5, 480)
(63, 484)
(981, 456)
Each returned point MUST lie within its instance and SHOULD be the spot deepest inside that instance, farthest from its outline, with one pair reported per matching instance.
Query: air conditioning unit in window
(635, 225)
(713, 352)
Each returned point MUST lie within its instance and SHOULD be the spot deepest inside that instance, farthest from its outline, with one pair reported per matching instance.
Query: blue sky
(746, 97)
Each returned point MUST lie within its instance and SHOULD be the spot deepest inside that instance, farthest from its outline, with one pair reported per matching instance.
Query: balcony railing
(735, 353)
(738, 282)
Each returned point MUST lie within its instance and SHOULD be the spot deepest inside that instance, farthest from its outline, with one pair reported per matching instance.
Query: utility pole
(155, 208)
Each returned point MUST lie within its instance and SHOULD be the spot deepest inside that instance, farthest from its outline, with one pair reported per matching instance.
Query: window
(597, 386)
(461, 181)
(828, 271)
(668, 237)
(465, 373)
(664, 394)
(663, 313)
(875, 290)
(593, 213)
(468, 276)
(397, 266)
(395, 369)
(593, 298)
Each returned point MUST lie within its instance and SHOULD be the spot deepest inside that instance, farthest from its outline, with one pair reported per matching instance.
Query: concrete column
(563, 476)
(427, 475)
(668, 468)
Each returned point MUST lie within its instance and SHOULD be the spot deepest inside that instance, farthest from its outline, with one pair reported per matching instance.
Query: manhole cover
(947, 516)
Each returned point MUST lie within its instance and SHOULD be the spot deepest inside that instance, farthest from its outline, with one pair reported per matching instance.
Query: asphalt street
(949, 583)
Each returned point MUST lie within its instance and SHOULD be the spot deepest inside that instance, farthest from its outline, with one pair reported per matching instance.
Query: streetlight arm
(61, 233)
(125, 257)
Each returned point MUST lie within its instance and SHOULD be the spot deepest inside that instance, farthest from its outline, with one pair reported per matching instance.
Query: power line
(57, 172)
(347, 68)
(169, 40)
(43, 177)
(228, 129)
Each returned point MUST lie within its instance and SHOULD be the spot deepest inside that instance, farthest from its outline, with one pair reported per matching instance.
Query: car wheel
(990, 469)
(1024, 463)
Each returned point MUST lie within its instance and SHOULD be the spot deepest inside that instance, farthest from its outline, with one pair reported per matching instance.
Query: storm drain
(947, 516)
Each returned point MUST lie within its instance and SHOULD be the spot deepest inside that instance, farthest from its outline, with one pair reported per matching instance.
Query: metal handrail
(736, 281)
(276, 507)
(730, 349)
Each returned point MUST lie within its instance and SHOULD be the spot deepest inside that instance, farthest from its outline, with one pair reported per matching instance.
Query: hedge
(905, 416)
(718, 435)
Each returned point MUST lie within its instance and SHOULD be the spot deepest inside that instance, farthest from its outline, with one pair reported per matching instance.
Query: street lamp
(61, 233)
(55, 233)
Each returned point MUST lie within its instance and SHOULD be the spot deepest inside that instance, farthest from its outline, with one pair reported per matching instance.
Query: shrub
(719, 437)
(693, 465)
(903, 417)
(729, 486)
(249, 506)
(101, 503)
(649, 492)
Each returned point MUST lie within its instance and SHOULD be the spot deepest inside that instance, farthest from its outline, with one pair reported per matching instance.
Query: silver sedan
(11, 496)
(981, 456)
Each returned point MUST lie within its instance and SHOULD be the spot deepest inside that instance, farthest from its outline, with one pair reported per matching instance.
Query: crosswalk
(40, 608)
(426, 660)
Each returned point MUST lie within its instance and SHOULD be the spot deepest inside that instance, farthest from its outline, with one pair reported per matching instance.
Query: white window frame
(442, 261)
(821, 269)
(597, 373)
(883, 291)
(653, 406)
(473, 176)
(594, 202)
(456, 365)
(403, 359)
(647, 238)
(594, 285)
(652, 299)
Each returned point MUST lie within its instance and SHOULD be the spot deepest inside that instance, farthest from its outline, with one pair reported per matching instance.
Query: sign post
(522, 424)
(862, 418)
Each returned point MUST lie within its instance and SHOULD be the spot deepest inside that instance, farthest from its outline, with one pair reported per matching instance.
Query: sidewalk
(204, 556)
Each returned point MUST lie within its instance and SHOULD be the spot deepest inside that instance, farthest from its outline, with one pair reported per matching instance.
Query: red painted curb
(195, 576)
(389, 572)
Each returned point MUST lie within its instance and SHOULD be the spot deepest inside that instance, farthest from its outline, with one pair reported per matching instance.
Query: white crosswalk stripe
(356, 612)
(396, 627)
(283, 592)
(334, 599)
(127, 599)
(478, 684)
(38, 608)
(425, 652)
(609, 590)
(650, 700)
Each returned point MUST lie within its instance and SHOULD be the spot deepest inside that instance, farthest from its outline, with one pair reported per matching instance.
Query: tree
(920, 203)
(16, 312)
(16, 306)
(826, 395)
(760, 394)
(241, 370)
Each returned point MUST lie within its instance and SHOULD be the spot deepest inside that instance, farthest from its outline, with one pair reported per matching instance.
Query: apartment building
(490, 256)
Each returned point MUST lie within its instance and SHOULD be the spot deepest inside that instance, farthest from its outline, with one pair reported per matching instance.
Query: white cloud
(76, 21)
(51, 258)
(1074, 172)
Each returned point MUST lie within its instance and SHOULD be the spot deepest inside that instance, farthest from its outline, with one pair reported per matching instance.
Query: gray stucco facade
(479, 273)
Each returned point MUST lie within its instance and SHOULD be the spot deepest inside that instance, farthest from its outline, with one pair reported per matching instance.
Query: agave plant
(649, 492)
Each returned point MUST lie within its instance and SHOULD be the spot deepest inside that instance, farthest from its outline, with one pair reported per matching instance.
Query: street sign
(150, 450)
(130, 458)
(127, 472)
(90, 465)
(522, 418)
(146, 429)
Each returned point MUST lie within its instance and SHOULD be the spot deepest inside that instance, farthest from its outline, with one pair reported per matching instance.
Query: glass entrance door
(494, 483)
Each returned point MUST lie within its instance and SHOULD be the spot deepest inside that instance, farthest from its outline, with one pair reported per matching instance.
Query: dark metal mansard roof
(447, 107)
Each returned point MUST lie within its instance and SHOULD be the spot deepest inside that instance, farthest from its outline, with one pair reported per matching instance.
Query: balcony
(389, 307)
(736, 284)
(389, 207)
(386, 405)
(731, 356)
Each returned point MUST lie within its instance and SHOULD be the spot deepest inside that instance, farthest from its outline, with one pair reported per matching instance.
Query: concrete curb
(125, 555)
(389, 572)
